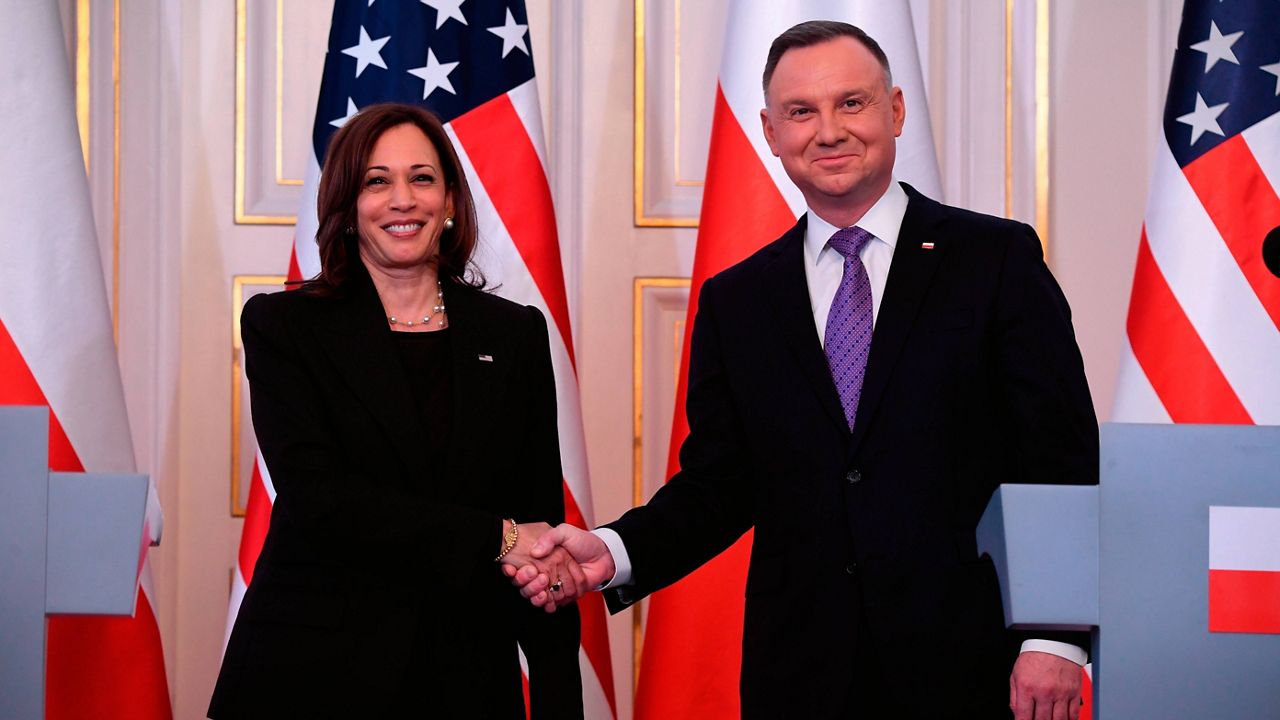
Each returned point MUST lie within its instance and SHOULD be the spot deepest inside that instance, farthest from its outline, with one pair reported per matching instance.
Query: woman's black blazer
(370, 574)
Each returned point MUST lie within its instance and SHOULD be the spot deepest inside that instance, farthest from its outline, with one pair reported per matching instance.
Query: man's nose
(830, 130)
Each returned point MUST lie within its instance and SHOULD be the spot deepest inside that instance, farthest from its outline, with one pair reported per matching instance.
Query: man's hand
(557, 564)
(590, 553)
(1044, 686)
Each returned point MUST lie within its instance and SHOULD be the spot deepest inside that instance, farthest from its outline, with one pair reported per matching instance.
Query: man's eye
(852, 103)
(797, 112)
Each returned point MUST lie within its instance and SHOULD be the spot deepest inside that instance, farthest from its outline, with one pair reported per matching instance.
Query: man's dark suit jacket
(367, 566)
(864, 541)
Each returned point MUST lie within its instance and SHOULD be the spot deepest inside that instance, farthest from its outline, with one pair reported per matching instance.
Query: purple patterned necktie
(847, 339)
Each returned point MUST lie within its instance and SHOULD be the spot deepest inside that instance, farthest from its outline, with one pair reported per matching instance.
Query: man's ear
(767, 126)
(899, 104)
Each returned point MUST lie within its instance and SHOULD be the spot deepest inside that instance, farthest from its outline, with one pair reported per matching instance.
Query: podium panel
(69, 543)
(1156, 655)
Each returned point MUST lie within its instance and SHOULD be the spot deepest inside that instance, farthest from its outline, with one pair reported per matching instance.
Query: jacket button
(853, 476)
(851, 568)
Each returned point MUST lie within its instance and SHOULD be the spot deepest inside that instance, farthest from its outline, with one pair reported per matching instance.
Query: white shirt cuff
(621, 561)
(1066, 651)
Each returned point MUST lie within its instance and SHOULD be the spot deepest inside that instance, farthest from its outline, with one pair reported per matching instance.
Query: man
(864, 458)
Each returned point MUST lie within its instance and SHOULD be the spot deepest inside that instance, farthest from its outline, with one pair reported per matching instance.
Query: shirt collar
(883, 220)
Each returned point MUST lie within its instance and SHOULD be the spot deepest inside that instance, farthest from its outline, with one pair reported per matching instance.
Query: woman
(408, 421)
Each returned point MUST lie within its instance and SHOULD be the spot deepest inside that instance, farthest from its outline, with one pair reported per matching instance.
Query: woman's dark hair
(342, 179)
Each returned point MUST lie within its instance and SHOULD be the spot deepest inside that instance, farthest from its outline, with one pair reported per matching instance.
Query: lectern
(1131, 561)
(70, 543)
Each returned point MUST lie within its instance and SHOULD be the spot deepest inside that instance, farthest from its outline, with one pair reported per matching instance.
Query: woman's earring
(448, 223)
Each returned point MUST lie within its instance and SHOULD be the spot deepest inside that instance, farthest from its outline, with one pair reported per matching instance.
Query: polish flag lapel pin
(926, 246)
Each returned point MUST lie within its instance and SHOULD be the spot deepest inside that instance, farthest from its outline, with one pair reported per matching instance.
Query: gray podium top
(1131, 558)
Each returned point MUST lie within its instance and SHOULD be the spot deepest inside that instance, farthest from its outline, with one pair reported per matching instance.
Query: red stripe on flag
(693, 637)
(1181, 370)
(107, 667)
(512, 175)
(19, 387)
(1244, 601)
(1086, 692)
(591, 611)
(742, 211)
(1244, 208)
(99, 667)
(257, 518)
(295, 272)
(528, 704)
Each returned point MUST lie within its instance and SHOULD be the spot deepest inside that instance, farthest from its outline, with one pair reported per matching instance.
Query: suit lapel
(910, 274)
(789, 293)
(480, 358)
(354, 334)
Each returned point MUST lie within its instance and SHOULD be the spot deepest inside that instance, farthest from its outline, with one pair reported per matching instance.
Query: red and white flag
(472, 65)
(56, 350)
(693, 637)
(1244, 569)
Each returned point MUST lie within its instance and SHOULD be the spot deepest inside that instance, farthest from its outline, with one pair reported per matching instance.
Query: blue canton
(1226, 74)
(470, 63)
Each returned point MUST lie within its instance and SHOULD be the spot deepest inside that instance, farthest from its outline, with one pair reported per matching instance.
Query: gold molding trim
(237, 346)
(280, 178)
(642, 220)
(676, 112)
(115, 171)
(82, 77)
(241, 217)
(639, 285)
(84, 120)
(1042, 123)
(1041, 179)
(1008, 108)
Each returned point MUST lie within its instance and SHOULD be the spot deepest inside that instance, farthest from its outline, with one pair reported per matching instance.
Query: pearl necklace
(437, 309)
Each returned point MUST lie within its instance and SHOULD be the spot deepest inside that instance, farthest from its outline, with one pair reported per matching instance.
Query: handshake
(553, 566)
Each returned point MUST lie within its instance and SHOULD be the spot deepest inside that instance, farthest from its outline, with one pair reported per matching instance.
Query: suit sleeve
(710, 502)
(1041, 381)
(550, 640)
(1049, 417)
(337, 510)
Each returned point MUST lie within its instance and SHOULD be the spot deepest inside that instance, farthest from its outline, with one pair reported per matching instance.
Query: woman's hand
(565, 579)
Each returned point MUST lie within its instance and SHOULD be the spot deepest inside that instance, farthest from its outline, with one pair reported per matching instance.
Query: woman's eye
(425, 178)
(376, 181)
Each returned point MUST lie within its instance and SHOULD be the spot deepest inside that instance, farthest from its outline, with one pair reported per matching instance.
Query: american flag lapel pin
(926, 246)
(485, 358)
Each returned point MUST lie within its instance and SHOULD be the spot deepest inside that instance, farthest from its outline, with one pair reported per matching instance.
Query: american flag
(471, 63)
(1204, 318)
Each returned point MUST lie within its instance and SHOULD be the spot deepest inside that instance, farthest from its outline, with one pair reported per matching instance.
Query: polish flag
(1244, 569)
(692, 651)
(56, 350)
